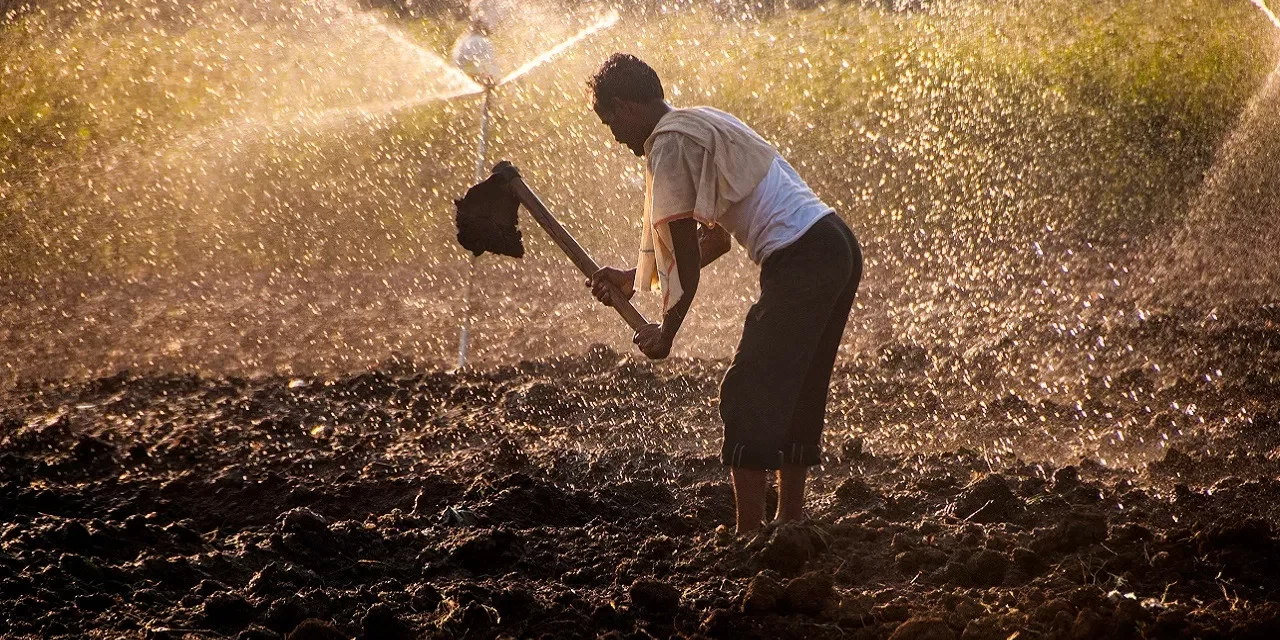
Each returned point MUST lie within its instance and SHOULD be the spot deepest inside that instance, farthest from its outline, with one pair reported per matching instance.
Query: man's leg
(791, 478)
(799, 285)
(757, 398)
(804, 433)
(749, 489)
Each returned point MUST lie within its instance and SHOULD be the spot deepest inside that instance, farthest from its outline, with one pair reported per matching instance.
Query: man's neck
(654, 113)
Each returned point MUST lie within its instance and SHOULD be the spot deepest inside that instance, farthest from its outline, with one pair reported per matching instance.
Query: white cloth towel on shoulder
(724, 164)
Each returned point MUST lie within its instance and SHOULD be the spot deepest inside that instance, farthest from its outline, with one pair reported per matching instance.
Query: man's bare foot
(783, 518)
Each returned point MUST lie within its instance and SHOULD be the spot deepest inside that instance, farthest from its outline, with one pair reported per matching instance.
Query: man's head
(628, 97)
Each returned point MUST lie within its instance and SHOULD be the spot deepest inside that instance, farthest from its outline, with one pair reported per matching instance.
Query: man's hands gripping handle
(615, 287)
(610, 283)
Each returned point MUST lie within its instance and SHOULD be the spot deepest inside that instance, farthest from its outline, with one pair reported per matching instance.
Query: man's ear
(621, 106)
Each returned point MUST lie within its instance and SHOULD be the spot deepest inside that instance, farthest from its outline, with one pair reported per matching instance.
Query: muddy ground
(580, 497)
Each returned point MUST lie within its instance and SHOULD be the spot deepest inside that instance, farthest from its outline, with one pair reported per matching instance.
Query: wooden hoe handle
(565, 241)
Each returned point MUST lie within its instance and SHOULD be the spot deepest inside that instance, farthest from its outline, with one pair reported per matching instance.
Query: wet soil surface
(581, 497)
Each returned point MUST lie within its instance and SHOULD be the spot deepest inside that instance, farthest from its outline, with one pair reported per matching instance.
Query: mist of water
(279, 199)
(603, 22)
(1226, 251)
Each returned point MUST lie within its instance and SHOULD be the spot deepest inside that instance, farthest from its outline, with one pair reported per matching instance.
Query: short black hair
(628, 77)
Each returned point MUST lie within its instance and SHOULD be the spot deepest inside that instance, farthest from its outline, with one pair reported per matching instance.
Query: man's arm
(713, 242)
(654, 340)
(686, 245)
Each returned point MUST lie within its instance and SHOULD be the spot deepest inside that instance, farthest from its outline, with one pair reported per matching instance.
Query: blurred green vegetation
(1175, 73)
(990, 115)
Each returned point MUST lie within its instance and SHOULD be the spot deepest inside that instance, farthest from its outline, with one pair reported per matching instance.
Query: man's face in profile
(622, 119)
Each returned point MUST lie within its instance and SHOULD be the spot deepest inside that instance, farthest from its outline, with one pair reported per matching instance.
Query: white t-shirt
(776, 214)
(780, 209)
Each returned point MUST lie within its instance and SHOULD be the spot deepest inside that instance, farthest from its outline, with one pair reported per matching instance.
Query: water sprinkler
(473, 53)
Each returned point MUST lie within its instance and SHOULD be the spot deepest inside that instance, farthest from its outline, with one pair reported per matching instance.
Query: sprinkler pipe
(482, 146)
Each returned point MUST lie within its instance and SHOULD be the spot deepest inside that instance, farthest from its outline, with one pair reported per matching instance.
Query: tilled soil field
(581, 497)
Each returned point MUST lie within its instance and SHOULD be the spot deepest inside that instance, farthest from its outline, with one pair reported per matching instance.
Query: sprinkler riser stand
(482, 149)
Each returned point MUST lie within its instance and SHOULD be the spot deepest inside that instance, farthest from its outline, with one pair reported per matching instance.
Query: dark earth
(581, 496)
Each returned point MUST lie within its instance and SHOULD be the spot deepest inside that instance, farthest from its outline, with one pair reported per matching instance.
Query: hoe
(487, 222)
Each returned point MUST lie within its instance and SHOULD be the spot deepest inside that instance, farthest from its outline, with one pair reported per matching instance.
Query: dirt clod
(790, 546)
(810, 594)
(987, 568)
(763, 593)
(486, 551)
(382, 623)
(313, 629)
(226, 610)
(255, 632)
(924, 629)
(720, 623)
(654, 597)
(989, 499)
(854, 492)
(424, 598)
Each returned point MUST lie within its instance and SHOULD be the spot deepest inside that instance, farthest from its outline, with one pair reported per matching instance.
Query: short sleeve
(675, 163)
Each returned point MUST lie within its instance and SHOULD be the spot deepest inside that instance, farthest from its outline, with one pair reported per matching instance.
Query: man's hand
(713, 242)
(653, 341)
(623, 280)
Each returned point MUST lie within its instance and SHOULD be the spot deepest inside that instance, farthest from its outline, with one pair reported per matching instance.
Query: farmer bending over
(709, 176)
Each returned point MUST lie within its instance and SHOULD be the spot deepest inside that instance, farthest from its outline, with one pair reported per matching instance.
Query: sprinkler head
(473, 53)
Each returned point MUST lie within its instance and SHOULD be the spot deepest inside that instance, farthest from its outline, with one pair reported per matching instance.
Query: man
(709, 176)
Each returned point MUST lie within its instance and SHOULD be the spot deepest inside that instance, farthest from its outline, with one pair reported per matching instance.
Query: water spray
(1262, 6)
(464, 335)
